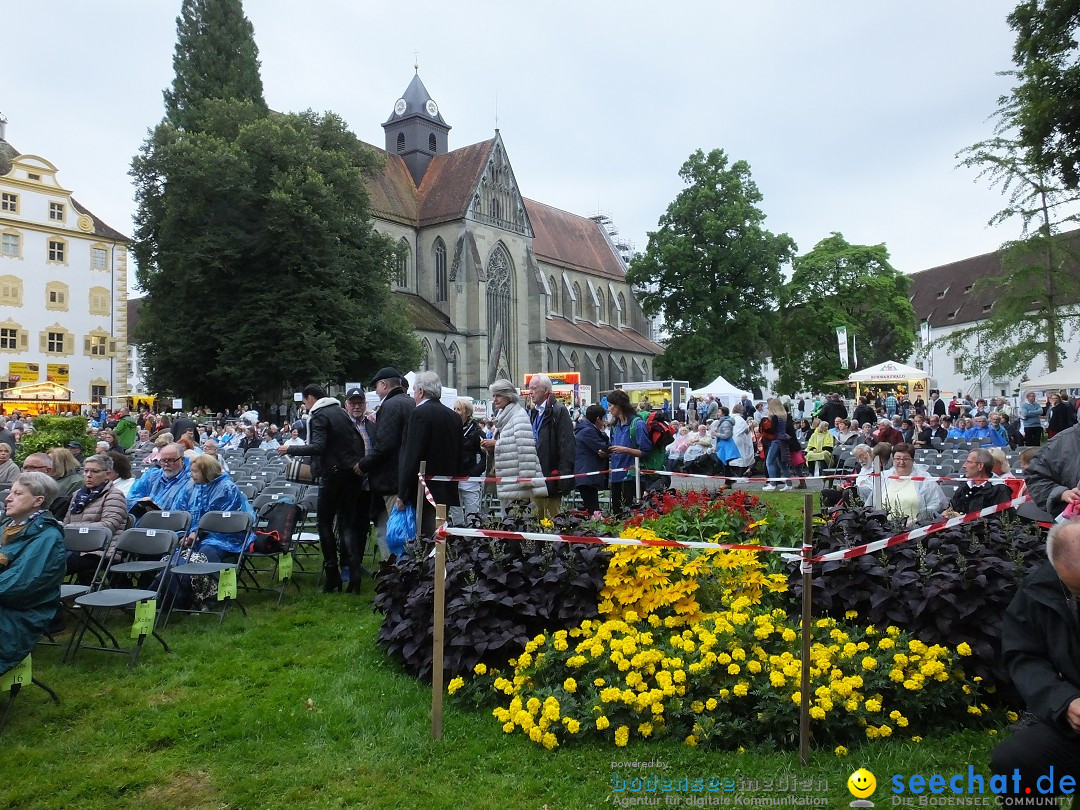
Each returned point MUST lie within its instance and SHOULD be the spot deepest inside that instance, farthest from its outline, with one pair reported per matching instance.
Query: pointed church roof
(392, 192)
(416, 98)
(450, 181)
(573, 241)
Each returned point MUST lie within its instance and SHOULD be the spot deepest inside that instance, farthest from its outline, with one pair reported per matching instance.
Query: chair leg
(47, 688)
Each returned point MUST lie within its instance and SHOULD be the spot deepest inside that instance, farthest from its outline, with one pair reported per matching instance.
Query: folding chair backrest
(268, 498)
(226, 522)
(170, 520)
(84, 539)
(146, 542)
(248, 490)
(310, 502)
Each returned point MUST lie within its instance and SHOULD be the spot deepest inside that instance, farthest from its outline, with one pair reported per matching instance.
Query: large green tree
(1044, 106)
(841, 284)
(254, 245)
(1038, 289)
(713, 272)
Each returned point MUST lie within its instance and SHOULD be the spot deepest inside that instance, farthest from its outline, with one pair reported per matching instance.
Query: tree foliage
(216, 58)
(713, 271)
(254, 245)
(1038, 289)
(1045, 104)
(841, 284)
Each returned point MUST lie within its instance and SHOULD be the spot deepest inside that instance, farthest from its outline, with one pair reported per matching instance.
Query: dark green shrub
(499, 594)
(54, 431)
(948, 588)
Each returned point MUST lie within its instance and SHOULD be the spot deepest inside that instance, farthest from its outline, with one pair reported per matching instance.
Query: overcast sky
(849, 113)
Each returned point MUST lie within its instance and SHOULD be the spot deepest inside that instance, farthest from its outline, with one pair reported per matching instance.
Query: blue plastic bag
(400, 528)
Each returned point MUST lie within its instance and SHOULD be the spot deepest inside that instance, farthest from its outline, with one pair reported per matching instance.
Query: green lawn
(297, 707)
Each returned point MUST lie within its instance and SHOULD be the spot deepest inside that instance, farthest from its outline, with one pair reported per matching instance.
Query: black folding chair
(286, 523)
(138, 543)
(81, 540)
(225, 523)
(19, 680)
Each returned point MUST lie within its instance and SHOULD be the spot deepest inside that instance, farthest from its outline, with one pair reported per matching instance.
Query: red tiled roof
(425, 316)
(100, 228)
(572, 241)
(450, 180)
(392, 192)
(942, 291)
(584, 333)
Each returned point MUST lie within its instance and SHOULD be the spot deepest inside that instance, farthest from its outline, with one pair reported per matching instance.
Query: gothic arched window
(402, 278)
(622, 309)
(440, 271)
(577, 300)
(432, 144)
(500, 305)
(553, 299)
(401, 141)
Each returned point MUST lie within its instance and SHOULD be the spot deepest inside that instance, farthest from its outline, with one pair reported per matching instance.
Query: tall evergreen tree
(254, 244)
(216, 58)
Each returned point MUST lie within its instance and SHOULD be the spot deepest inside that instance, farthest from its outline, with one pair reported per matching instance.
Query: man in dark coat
(432, 434)
(832, 409)
(864, 413)
(336, 450)
(1053, 477)
(554, 433)
(381, 461)
(1040, 645)
(978, 491)
(937, 404)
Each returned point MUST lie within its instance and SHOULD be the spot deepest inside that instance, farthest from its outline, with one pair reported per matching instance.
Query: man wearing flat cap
(381, 462)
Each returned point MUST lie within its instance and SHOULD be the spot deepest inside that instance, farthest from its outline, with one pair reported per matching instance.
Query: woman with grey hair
(31, 566)
(515, 448)
(97, 505)
(9, 470)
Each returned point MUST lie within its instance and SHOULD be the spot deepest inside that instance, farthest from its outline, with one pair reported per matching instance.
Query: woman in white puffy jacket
(515, 448)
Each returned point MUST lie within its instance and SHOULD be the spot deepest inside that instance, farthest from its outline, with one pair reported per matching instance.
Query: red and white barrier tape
(537, 479)
(923, 531)
(427, 492)
(602, 541)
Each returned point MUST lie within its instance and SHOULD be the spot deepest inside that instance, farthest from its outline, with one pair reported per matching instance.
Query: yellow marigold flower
(711, 704)
(872, 732)
(963, 648)
(508, 727)
(622, 736)
(679, 676)
(754, 667)
(886, 644)
(691, 741)
(524, 660)
(572, 725)
(602, 722)
(873, 705)
(733, 669)
(570, 685)
(455, 684)
(885, 730)
(796, 698)
(817, 713)
(697, 707)
(893, 631)
(902, 721)
(1011, 716)
(725, 694)
(549, 741)
(777, 679)
(992, 732)
(738, 654)
(975, 710)
(536, 734)
(912, 685)
(840, 751)
(723, 659)
(741, 689)
(560, 645)
(645, 729)
(869, 663)
(916, 739)
(851, 614)
(533, 705)
(576, 661)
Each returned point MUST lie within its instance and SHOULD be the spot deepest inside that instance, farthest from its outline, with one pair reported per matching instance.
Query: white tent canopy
(889, 370)
(1068, 377)
(722, 390)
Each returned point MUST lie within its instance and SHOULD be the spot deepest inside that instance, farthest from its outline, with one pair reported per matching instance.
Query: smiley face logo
(861, 783)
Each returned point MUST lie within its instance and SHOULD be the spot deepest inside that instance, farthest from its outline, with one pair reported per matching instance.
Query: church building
(498, 285)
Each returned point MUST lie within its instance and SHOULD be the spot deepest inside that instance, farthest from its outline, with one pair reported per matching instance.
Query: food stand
(904, 379)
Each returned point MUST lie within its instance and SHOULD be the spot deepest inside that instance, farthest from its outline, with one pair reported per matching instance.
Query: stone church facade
(497, 285)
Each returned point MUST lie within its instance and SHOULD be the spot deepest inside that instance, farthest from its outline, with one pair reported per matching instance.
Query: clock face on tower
(399, 107)
(432, 108)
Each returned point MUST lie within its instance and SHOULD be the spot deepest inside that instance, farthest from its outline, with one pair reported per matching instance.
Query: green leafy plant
(54, 431)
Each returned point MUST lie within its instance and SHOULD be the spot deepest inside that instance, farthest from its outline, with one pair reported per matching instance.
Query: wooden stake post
(807, 602)
(420, 500)
(437, 628)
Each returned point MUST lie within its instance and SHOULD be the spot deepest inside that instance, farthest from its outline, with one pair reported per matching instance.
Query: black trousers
(339, 493)
(1032, 751)
(1033, 436)
(590, 498)
(622, 494)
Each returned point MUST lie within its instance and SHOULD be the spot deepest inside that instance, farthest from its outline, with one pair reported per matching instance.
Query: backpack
(661, 432)
(725, 430)
(279, 521)
(654, 459)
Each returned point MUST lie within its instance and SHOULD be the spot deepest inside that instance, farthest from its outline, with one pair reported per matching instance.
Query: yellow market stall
(38, 398)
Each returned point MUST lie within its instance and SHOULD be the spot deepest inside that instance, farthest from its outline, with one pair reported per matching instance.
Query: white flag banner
(841, 342)
(854, 354)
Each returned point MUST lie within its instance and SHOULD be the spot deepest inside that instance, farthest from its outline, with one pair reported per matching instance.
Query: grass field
(296, 706)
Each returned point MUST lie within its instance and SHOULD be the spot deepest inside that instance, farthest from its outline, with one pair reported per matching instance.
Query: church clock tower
(416, 129)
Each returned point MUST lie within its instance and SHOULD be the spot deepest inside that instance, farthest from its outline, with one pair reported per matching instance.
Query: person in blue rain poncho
(168, 486)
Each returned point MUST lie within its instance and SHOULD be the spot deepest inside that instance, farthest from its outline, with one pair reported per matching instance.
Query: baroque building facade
(498, 285)
(63, 292)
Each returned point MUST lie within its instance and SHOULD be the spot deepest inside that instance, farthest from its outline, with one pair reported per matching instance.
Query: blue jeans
(774, 463)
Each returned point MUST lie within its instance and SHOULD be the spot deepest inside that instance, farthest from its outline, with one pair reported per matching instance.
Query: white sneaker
(768, 488)
(784, 487)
